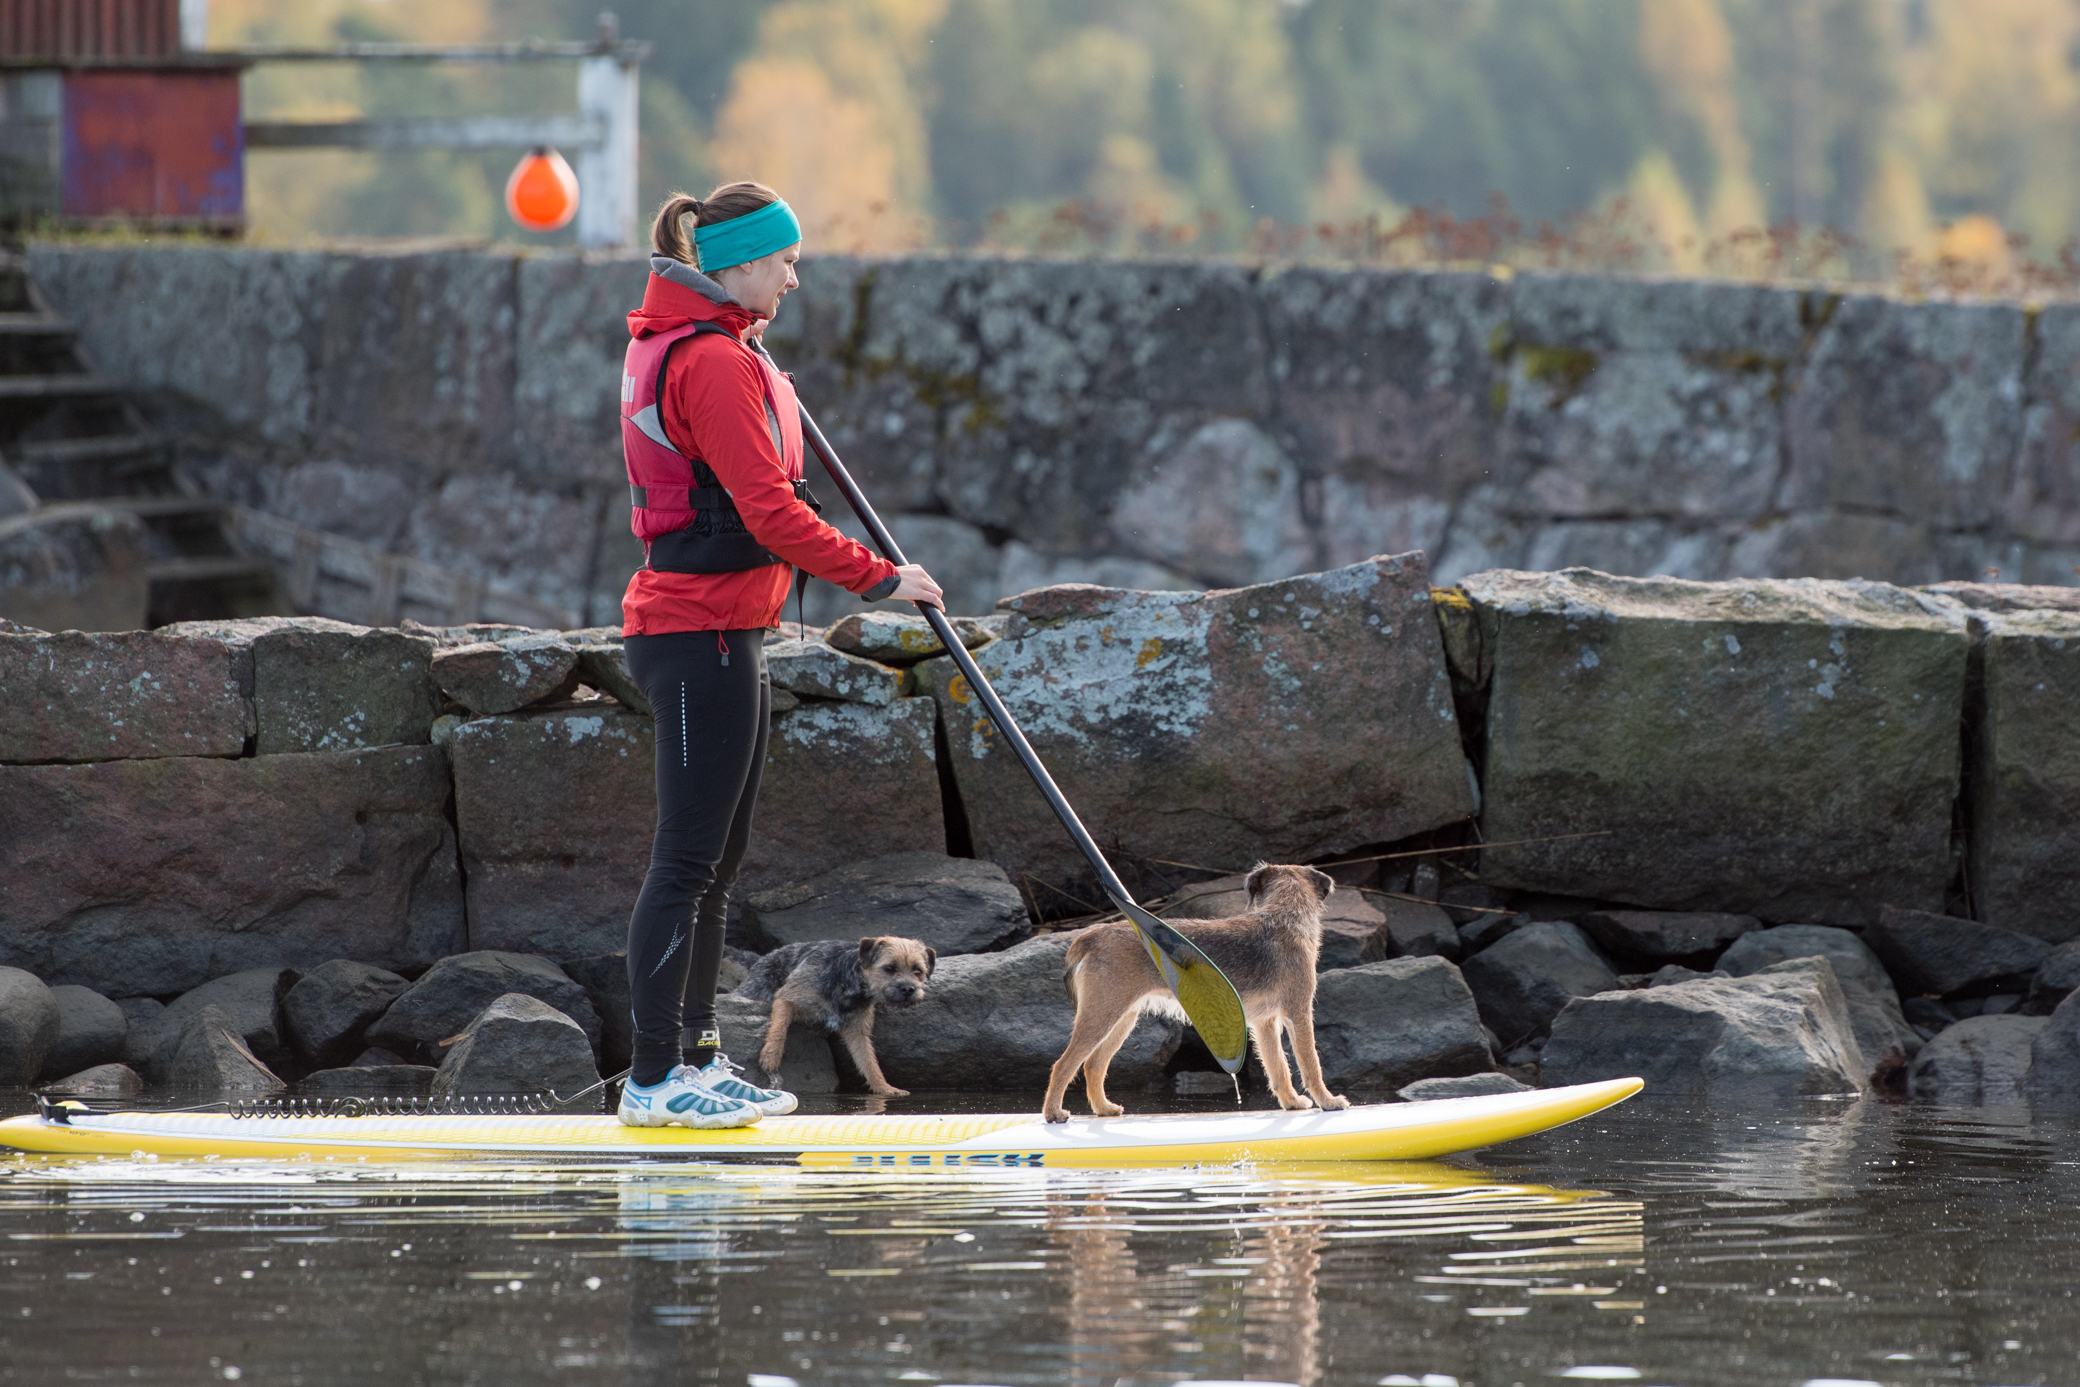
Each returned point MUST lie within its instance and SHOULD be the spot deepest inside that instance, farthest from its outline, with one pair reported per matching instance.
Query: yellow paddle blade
(1209, 1000)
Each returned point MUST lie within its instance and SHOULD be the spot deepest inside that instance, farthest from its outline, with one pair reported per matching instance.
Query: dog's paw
(889, 1091)
(1296, 1102)
(769, 1063)
(1106, 1110)
(1336, 1102)
(1055, 1115)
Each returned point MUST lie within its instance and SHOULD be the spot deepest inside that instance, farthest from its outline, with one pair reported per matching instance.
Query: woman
(714, 449)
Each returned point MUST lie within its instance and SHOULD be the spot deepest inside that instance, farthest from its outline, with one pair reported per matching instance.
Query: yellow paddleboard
(1375, 1132)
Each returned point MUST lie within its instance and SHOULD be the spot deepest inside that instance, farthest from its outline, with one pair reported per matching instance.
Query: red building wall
(152, 144)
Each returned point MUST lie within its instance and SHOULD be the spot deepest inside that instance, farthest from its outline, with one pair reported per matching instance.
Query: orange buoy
(542, 194)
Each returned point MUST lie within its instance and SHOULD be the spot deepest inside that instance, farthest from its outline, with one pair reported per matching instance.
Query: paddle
(1208, 998)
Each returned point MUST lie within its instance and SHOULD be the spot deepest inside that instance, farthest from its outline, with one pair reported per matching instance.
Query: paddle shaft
(1108, 879)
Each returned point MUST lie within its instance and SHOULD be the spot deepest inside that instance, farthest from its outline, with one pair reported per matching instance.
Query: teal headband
(723, 244)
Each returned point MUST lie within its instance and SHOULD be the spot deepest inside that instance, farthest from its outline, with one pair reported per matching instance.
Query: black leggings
(712, 703)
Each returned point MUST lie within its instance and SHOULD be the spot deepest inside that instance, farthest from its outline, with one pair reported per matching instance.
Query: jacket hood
(677, 295)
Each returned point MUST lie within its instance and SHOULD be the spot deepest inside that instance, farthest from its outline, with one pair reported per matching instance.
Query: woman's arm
(721, 409)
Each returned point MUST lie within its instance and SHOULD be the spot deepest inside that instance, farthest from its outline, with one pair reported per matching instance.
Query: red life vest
(683, 514)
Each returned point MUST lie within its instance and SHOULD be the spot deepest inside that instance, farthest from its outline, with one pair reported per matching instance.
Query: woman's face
(760, 284)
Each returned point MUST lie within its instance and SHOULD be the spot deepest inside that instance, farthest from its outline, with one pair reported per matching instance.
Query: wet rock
(1669, 973)
(1779, 1033)
(1181, 722)
(955, 905)
(1777, 748)
(1411, 929)
(809, 1064)
(519, 1044)
(29, 1022)
(998, 1022)
(1487, 930)
(138, 1015)
(1471, 902)
(203, 867)
(376, 1057)
(501, 676)
(125, 695)
(208, 1056)
(92, 1031)
(1980, 1060)
(1465, 1086)
(894, 638)
(811, 669)
(1378, 1026)
(330, 1008)
(1882, 1032)
(556, 810)
(2000, 1004)
(1927, 1015)
(1942, 954)
(250, 1003)
(321, 685)
(2055, 977)
(371, 1081)
(2054, 1066)
(102, 1081)
(449, 996)
(2024, 793)
(604, 665)
(1661, 936)
(605, 980)
(1523, 981)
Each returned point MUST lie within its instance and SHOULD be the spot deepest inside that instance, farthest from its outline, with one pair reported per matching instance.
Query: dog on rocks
(839, 984)
(1268, 952)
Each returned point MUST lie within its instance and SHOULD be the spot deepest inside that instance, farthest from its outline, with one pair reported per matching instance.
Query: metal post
(194, 25)
(607, 171)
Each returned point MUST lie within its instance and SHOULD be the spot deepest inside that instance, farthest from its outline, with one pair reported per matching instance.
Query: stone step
(75, 450)
(215, 568)
(57, 386)
(34, 325)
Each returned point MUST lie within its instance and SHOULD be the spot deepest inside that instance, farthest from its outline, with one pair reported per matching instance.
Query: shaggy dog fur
(839, 984)
(1269, 954)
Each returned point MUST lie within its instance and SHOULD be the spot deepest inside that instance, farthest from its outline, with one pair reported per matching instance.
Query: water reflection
(1824, 1240)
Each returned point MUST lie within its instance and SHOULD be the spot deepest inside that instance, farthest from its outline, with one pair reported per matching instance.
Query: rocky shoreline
(1787, 836)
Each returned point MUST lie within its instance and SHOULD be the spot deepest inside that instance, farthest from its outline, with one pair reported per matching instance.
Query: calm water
(1655, 1243)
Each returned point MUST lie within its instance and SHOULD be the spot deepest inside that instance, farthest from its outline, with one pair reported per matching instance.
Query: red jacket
(714, 407)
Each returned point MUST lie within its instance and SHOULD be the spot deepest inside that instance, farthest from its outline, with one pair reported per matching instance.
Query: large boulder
(209, 1056)
(249, 1002)
(322, 685)
(1781, 748)
(1411, 929)
(1941, 954)
(1379, 1026)
(605, 980)
(449, 995)
(131, 694)
(899, 638)
(1664, 936)
(1782, 1032)
(102, 1081)
(556, 810)
(2024, 790)
(604, 665)
(1525, 979)
(1980, 1060)
(138, 1015)
(812, 669)
(1882, 1032)
(519, 1044)
(956, 905)
(991, 1022)
(1283, 722)
(808, 1064)
(202, 867)
(500, 676)
(29, 1027)
(92, 1031)
(1351, 924)
(330, 1008)
(2054, 1066)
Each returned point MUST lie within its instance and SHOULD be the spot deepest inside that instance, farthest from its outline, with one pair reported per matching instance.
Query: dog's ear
(1323, 882)
(868, 948)
(1253, 884)
(931, 960)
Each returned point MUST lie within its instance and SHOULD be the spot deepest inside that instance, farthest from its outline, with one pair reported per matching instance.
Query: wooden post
(607, 171)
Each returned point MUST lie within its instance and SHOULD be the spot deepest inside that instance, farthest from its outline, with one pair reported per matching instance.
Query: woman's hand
(913, 584)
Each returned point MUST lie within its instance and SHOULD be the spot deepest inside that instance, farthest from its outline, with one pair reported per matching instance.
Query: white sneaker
(720, 1075)
(682, 1100)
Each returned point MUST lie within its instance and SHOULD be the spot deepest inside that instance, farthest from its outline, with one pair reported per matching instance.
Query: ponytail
(668, 233)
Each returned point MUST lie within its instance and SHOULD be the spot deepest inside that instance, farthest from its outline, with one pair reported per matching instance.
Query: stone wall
(186, 803)
(1137, 424)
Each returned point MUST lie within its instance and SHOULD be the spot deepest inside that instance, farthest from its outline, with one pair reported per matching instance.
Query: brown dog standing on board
(1269, 954)
(839, 983)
